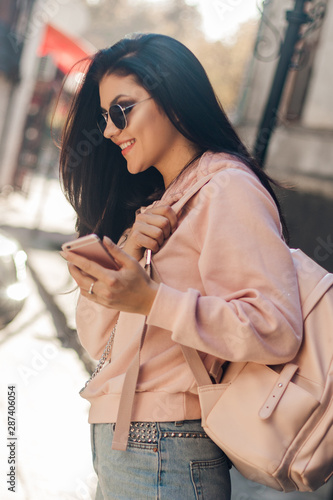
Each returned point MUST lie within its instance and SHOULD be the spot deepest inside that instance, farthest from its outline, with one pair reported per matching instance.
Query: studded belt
(143, 432)
(149, 432)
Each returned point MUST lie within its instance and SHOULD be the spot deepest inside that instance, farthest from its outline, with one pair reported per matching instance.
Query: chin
(136, 169)
(133, 171)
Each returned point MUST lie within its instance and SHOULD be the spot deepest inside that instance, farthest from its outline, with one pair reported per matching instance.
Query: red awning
(65, 50)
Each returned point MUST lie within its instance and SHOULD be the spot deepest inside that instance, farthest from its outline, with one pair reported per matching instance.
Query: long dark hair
(93, 171)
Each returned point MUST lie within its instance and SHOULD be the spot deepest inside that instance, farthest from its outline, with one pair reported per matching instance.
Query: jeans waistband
(151, 432)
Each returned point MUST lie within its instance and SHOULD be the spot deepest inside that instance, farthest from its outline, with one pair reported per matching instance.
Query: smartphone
(92, 248)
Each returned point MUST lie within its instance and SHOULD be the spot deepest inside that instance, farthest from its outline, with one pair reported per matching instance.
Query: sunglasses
(117, 114)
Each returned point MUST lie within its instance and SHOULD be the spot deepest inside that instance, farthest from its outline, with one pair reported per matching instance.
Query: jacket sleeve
(250, 310)
(94, 324)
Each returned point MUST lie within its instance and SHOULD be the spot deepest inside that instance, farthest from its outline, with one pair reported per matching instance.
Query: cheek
(155, 135)
(161, 132)
(155, 143)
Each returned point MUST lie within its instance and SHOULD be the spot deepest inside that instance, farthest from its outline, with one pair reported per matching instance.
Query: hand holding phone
(130, 282)
(92, 248)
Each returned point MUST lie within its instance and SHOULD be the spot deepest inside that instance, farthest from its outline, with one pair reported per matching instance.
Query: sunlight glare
(221, 18)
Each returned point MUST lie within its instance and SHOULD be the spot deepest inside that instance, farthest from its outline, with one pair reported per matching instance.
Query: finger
(82, 279)
(162, 217)
(85, 267)
(150, 242)
(101, 290)
(168, 212)
(143, 231)
(155, 226)
(119, 255)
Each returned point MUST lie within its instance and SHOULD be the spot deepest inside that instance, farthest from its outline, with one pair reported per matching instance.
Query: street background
(53, 446)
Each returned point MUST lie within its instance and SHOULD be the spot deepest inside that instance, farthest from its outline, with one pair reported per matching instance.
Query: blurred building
(15, 38)
(40, 42)
(301, 148)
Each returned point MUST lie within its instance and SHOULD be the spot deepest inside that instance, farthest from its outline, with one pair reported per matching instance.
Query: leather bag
(275, 422)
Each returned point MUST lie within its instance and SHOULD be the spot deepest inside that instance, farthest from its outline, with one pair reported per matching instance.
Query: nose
(111, 130)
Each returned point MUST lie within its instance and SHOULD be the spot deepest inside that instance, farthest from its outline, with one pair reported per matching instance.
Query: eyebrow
(115, 100)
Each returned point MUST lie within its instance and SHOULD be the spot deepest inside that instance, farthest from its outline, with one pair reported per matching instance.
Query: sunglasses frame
(124, 111)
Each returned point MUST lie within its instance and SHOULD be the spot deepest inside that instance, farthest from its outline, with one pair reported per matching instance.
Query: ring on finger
(90, 291)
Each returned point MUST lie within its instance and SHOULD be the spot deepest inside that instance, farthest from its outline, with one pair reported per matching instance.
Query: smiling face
(150, 139)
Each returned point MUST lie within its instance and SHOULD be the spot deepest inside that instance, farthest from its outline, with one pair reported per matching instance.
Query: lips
(126, 146)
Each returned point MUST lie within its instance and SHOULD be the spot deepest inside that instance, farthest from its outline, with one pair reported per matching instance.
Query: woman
(171, 176)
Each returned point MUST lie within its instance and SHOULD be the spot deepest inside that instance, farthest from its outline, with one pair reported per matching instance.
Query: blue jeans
(163, 461)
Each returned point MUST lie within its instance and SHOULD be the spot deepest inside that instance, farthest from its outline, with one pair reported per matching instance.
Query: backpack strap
(316, 294)
(281, 384)
(196, 365)
(120, 437)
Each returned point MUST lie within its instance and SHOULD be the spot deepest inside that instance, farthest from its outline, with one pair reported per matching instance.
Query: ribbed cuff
(166, 308)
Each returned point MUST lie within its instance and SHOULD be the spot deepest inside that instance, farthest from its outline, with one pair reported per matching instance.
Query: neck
(183, 171)
(176, 168)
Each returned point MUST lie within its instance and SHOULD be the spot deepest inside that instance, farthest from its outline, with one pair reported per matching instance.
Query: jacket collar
(195, 177)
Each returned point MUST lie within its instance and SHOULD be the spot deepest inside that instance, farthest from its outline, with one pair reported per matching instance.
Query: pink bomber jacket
(228, 289)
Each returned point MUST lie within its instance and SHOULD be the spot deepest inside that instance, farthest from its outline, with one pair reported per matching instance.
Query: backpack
(275, 422)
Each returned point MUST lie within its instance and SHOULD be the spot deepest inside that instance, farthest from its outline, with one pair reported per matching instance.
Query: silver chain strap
(104, 357)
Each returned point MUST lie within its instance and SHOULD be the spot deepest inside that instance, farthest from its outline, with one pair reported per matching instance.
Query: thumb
(117, 253)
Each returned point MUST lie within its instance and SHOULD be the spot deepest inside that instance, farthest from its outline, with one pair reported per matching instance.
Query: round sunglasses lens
(117, 116)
